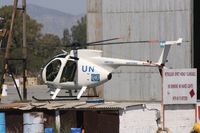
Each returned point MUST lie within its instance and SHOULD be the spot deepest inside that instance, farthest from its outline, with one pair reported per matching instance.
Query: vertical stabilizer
(166, 47)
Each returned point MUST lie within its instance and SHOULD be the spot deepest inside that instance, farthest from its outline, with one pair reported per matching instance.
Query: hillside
(53, 21)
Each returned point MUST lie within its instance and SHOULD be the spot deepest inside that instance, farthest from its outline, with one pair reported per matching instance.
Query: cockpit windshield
(52, 70)
(68, 71)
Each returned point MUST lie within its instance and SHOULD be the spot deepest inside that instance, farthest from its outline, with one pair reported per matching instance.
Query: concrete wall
(178, 119)
(138, 20)
(139, 120)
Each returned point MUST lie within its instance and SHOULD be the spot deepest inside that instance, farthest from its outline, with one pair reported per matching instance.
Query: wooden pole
(24, 51)
(11, 30)
(24, 29)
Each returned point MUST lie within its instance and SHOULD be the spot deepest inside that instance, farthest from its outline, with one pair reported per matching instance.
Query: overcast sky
(67, 6)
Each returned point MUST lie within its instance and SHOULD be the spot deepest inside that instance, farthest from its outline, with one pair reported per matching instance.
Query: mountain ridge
(53, 21)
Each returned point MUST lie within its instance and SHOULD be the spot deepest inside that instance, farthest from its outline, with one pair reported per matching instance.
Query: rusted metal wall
(68, 120)
(101, 122)
(14, 122)
(49, 119)
(91, 121)
(138, 20)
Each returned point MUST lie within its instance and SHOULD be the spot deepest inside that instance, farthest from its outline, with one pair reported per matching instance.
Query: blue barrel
(2, 123)
(48, 130)
(75, 130)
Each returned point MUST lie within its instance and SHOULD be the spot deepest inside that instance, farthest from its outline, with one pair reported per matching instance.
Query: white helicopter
(86, 68)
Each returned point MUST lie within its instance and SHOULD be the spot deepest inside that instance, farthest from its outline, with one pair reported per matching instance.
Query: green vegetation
(78, 33)
(40, 47)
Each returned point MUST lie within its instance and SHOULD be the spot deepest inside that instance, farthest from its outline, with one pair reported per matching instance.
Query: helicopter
(86, 68)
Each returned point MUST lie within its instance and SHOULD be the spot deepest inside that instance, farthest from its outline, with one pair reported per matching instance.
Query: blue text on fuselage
(88, 68)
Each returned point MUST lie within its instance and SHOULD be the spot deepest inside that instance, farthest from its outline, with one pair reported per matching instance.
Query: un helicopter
(86, 68)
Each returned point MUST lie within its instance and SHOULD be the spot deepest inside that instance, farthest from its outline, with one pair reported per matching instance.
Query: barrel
(33, 122)
(2, 123)
(75, 130)
(48, 130)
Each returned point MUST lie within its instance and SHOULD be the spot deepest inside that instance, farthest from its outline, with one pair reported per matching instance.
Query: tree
(49, 44)
(33, 28)
(66, 40)
(33, 35)
(46, 47)
(77, 33)
(40, 47)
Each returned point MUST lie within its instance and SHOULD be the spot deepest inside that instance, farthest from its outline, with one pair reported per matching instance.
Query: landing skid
(63, 98)
(75, 96)
(60, 99)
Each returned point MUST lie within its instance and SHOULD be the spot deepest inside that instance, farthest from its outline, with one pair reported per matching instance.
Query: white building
(139, 20)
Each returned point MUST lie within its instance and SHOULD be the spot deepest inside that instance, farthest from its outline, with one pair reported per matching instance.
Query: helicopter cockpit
(67, 73)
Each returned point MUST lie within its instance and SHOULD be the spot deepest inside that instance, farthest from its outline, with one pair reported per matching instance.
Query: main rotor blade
(78, 45)
(152, 41)
(101, 41)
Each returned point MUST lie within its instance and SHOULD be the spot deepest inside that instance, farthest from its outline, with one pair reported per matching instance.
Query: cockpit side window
(52, 70)
(69, 71)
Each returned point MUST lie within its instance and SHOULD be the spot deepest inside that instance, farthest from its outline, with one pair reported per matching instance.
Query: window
(52, 70)
(68, 71)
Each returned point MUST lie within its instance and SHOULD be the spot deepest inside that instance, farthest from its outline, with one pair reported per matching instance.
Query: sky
(67, 6)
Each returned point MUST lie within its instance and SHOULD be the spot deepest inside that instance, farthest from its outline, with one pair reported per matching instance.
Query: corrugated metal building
(139, 20)
(108, 117)
(93, 117)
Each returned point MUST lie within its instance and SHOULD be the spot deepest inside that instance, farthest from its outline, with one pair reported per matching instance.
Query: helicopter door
(52, 70)
(69, 71)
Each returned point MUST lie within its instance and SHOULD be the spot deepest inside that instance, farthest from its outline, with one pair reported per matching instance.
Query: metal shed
(107, 117)
(139, 20)
(93, 117)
